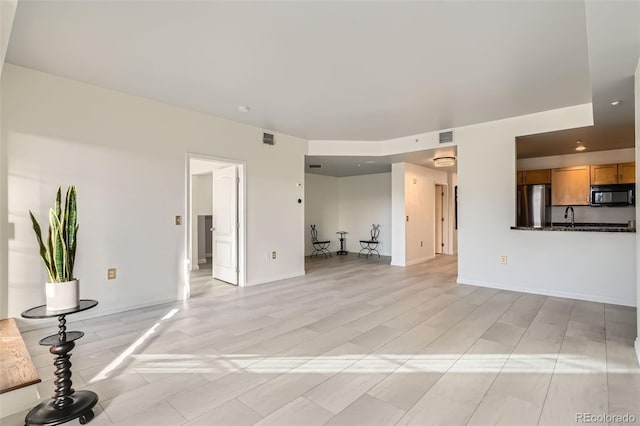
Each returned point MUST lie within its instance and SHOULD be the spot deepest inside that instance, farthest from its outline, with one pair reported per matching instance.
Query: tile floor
(355, 342)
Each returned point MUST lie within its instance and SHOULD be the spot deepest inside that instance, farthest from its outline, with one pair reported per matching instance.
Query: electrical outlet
(420, 243)
(178, 220)
(503, 260)
(273, 255)
(407, 218)
(111, 273)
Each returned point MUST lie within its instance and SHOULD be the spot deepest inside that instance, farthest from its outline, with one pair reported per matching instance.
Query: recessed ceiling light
(370, 162)
(578, 141)
(616, 102)
(581, 148)
(358, 165)
(244, 108)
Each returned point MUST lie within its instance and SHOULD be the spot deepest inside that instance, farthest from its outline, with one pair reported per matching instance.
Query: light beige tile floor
(355, 342)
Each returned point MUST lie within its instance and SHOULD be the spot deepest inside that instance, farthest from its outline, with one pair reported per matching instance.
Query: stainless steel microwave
(613, 195)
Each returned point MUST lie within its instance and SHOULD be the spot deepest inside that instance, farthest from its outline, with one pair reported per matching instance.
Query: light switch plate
(178, 220)
(111, 273)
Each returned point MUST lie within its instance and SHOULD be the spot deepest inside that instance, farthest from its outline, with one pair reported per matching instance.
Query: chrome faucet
(573, 215)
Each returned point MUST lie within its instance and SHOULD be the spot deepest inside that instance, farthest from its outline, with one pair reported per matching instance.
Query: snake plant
(59, 253)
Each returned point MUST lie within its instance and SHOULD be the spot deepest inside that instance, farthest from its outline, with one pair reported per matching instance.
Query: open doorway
(215, 221)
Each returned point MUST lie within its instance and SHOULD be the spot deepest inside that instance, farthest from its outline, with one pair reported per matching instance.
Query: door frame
(445, 224)
(242, 218)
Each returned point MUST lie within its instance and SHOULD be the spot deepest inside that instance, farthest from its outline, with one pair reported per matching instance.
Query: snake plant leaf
(43, 249)
(71, 227)
(58, 207)
(72, 253)
(58, 246)
(53, 273)
(58, 253)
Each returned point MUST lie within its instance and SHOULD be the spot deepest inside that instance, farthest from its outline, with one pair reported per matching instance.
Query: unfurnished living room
(319, 212)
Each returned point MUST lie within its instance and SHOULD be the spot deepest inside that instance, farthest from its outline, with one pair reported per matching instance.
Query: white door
(225, 225)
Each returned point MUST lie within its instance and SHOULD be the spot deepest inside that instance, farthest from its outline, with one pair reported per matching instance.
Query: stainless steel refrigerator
(534, 206)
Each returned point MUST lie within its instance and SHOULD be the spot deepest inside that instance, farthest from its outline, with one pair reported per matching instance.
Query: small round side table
(342, 251)
(66, 404)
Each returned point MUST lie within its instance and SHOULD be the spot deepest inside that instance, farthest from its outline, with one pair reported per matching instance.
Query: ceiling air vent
(446, 137)
(315, 166)
(268, 139)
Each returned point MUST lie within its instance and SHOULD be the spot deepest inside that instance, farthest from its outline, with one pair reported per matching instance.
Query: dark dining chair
(371, 245)
(319, 247)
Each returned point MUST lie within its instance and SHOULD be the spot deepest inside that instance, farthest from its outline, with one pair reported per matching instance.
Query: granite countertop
(580, 227)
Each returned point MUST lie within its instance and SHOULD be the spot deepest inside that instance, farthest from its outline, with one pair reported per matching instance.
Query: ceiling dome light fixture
(616, 102)
(444, 161)
(581, 148)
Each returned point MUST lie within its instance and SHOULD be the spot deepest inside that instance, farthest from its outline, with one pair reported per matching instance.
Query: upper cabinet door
(627, 173)
(570, 186)
(532, 177)
(604, 174)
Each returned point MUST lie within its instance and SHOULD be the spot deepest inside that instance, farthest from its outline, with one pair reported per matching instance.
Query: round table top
(41, 311)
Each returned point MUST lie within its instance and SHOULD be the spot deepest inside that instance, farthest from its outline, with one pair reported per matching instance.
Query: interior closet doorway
(215, 221)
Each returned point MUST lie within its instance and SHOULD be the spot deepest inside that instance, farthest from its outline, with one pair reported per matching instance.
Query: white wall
(127, 156)
(204, 194)
(557, 263)
(419, 206)
(321, 206)
(398, 214)
(583, 265)
(201, 204)
(349, 204)
(365, 200)
(7, 13)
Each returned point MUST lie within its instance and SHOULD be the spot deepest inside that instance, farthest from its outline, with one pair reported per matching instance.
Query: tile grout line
(506, 360)
(452, 364)
(546, 395)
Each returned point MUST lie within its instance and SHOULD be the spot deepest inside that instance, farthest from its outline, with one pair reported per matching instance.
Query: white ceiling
(342, 166)
(320, 70)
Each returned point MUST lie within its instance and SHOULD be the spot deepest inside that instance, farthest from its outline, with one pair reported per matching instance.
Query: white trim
(19, 399)
(421, 260)
(29, 325)
(637, 345)
(242, 237)
(545, 292)
(277, 278)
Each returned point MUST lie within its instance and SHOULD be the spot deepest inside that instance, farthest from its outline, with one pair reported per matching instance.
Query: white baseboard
(28, 325)
(421, 260)
(276, 278)
(19, 400)
(637, 345)
(546, 292)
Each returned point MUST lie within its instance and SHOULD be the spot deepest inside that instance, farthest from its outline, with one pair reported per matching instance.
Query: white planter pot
(62, 296)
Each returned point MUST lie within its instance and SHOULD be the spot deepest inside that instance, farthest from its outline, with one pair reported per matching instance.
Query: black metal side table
(66, 404)
(342, 251)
